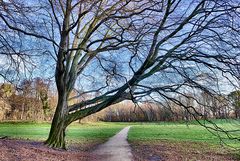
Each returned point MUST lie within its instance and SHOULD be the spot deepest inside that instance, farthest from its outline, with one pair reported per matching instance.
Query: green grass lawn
(181, 132)
(146, 139)
(75, 132)
(139, 132)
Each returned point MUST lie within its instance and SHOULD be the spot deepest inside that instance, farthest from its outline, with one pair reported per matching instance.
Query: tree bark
(56, 138)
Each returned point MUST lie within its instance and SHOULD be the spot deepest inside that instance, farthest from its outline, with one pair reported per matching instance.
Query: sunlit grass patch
(186, 132)
(75, 132)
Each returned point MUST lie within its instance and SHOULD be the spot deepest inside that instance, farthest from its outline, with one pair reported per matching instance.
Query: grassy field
(181, 141)
(139, 131)
(149, 141)
(181, 132)
(75, 132)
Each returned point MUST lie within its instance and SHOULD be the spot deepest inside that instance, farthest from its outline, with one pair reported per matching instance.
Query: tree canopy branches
(137, 50)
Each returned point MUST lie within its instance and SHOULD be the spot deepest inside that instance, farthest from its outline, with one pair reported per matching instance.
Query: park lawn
(177, 141)
(81, 135)
(192, 132)
(149, 141)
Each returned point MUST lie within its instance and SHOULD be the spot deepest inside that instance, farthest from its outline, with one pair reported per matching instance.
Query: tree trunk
(56, 138)
(22, 112)
(236, 114)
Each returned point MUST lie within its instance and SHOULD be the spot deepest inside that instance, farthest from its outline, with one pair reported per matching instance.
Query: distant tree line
(30, 100)
(35, 100)
(208, 107)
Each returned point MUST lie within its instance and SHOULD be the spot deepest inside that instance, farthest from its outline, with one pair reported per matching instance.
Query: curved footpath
(116, 148)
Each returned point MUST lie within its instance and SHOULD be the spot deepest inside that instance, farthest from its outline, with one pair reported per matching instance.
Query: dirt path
(116, 148)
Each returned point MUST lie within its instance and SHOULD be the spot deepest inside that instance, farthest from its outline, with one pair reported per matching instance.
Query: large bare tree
(130, 49)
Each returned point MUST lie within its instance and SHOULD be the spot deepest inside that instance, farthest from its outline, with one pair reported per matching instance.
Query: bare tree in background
(235, 101)
(131, 49)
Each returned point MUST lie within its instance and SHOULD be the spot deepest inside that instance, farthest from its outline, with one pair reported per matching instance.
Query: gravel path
(116, 148)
